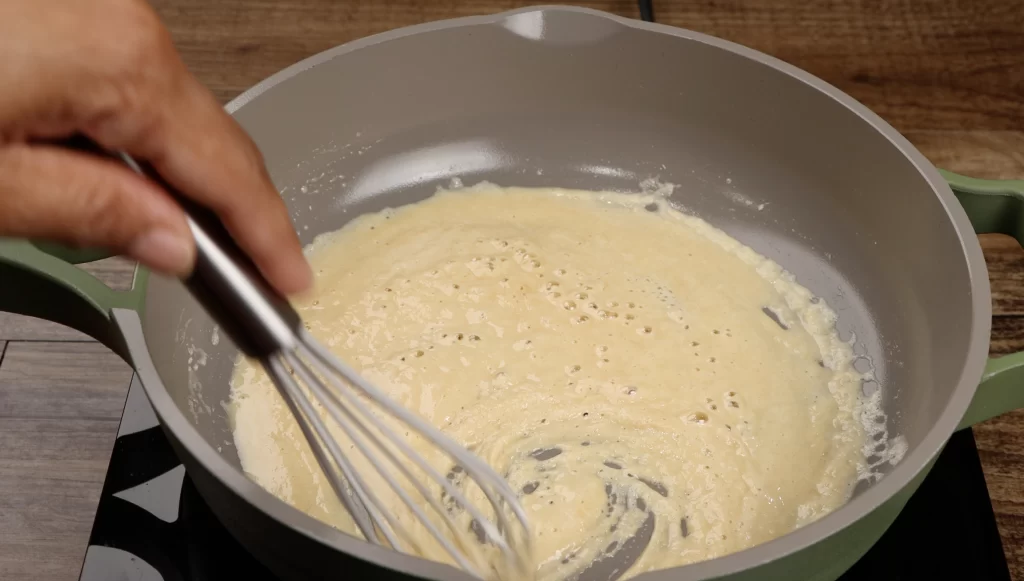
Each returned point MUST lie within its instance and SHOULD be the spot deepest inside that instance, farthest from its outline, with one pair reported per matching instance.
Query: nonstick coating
(578, 99)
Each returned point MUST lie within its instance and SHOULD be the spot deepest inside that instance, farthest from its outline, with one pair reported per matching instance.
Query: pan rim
(857, 508)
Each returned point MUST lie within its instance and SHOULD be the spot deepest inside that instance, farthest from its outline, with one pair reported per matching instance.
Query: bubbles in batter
(658, 393)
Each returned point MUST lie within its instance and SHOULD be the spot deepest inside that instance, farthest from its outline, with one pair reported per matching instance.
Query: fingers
(52, 193)
(201, 151)
(174, 123)
(108, 68)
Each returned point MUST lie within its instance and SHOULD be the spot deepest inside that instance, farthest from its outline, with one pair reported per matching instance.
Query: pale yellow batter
(616, 358)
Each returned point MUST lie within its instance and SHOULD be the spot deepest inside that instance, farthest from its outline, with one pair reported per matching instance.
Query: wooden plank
(920, 64)
(51, 474)
(62, 380)
(60, 405)
(115, 272)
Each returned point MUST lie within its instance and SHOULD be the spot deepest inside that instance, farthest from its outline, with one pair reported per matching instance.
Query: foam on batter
(631, 369)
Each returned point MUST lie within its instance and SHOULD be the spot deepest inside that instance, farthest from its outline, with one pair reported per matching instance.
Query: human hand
(108, 69)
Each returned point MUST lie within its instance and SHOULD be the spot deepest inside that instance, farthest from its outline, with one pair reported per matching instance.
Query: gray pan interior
(573, 98)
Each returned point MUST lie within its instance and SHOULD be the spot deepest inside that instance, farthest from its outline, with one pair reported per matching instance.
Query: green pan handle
(994, 207)
(41, 280)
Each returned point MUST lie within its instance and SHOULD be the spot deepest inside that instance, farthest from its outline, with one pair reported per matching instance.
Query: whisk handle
(225, 281)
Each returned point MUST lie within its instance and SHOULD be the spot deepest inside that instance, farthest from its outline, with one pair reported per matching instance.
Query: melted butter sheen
(615, 362)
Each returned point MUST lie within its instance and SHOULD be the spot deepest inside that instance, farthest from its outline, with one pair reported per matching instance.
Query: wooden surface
(949, 74)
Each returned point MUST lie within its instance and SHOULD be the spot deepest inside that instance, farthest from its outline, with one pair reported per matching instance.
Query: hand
(108, 69)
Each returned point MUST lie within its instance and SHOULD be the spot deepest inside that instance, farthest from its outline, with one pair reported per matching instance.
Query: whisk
(264, 326)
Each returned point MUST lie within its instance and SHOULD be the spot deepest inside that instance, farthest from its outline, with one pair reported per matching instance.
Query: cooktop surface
(152, 525)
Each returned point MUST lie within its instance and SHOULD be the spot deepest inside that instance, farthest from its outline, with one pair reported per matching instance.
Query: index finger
(200, 150)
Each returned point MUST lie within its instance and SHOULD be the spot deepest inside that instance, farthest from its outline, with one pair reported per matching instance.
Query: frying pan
(575, 98)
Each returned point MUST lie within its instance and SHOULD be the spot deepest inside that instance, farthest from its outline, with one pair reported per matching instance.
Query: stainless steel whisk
(264, 326)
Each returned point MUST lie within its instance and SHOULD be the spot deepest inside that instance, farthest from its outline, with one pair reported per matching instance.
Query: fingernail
(164, 250)
(304, 276)
(296, 278)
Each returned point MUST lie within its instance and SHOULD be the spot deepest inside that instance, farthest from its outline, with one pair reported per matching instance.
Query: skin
(108, 69)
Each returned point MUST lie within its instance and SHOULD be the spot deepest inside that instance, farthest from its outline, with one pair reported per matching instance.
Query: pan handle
(994, 207)
(41, 280)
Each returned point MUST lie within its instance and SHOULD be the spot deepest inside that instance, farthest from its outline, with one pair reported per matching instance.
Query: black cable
(646, 10)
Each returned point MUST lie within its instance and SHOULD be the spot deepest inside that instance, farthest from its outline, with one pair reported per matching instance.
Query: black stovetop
(151, 524)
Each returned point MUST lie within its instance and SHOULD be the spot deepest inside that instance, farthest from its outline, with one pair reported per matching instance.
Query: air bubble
(630, 316)
(647, 330)
(581, 296)
(419, 353)
(611, 304)
(630, 390)
(569, 305)
(581, 319)
(572, 369)
(560, 272)
(698, 418)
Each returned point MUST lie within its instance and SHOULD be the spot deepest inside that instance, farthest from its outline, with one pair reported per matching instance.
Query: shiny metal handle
(225, 281)
(230, 287)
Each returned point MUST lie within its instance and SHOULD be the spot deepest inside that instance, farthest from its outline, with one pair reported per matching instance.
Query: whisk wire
(358, 505)
(345, 418)
(498, 492)
(403, 447)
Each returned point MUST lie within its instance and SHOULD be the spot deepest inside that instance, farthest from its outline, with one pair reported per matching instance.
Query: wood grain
(949, 74)
(62, 380)
(51, 473)
(60, 405)
(920, 64)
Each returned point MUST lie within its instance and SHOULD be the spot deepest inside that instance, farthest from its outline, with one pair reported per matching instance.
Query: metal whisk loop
(310, 373)
(345, 419)
(498, 493)
(350, 489)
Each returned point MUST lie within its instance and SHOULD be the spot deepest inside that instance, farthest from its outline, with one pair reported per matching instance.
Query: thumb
(56, 194)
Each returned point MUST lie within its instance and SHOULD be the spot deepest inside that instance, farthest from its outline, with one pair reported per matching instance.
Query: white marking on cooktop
(138, 413)
(160, 496)
(110, 564)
